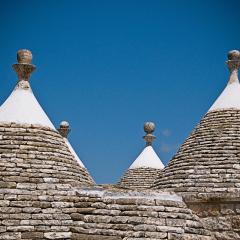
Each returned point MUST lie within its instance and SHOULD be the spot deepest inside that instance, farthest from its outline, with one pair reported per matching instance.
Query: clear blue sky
(109, 66)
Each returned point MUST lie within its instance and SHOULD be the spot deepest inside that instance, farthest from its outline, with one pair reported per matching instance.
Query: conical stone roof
(22, 106)
(22, 119)
(145, 169)
(208, 161)
(37, 169)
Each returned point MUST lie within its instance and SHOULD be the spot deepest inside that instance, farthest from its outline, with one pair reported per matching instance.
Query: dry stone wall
(131, 215)
(220, 213)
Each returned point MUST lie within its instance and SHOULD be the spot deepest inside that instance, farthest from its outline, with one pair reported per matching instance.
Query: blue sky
(109, 66)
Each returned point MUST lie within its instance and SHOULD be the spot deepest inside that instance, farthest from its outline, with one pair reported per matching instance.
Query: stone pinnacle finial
(149, 128)
(24, 68)
(233, 65)
(64, 129)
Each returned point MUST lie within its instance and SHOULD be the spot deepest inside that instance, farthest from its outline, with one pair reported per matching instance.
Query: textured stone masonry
(220, 213)
(37, 178)
(119, 214)
(139, 178)
(206, 171)
(43, 195)
(209, 160)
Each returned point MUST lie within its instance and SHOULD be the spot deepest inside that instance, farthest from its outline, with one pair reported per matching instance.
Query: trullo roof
(21, 106)
(208, 161)
(144, 170)
(25, 126)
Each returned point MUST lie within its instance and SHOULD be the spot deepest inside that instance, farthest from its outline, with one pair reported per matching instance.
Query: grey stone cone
(206, 168)
(141, 177)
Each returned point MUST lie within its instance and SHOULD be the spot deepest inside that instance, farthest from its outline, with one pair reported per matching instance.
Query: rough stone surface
(139, 178)
(208, 161)
(43, 192)
(219, 213)
(46, 194)
(33, 157)
(206, 170)
(117, 214)
(37, 178)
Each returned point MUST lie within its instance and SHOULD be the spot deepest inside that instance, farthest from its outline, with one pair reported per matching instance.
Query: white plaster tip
(74, 153)
(229, 98)
(23, 108)
(147, 159)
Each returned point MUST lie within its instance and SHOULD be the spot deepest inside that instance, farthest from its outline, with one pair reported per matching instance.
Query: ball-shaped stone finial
(24, 56)
(233, 55)
(64, 129)
(64, 124)
(149, 127)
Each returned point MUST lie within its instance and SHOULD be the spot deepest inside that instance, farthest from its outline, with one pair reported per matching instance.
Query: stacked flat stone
(139, 178)
(38, 172)
(208, 161)
(36, 154)
(37, 175)
(145, 169)
(41, 198)
(206, 169)
(130, 215)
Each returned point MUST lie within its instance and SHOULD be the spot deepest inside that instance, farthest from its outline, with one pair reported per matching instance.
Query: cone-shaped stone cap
(21, 106)
(148, 157)
(26, 129)
(144, 170)
(230, 97)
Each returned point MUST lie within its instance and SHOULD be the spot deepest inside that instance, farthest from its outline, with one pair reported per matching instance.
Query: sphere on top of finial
(64, 124)
(24, 56)
(149, 127)
(233, 55)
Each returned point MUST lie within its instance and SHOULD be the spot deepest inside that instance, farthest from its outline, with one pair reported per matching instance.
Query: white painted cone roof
(229, 98)
(74, 153)
(22, 107)
(147, 159)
